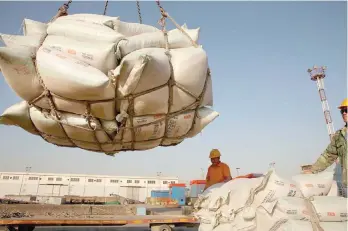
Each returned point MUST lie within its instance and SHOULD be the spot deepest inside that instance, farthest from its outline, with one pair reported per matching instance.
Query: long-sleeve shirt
(336, 149)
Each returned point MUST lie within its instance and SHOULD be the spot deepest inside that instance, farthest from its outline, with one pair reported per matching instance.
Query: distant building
(51, 184)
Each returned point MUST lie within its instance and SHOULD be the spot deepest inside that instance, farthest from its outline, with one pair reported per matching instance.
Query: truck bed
(114, 220)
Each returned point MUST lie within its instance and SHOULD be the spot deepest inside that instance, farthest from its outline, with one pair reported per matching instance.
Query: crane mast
(317, 74)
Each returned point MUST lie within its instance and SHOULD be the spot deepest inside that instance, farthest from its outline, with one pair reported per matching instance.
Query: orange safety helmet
(344, 103)
(214, 153)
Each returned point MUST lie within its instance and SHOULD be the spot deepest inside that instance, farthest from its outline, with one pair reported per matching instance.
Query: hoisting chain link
(106, 6)
(62, 11)
(139, 13)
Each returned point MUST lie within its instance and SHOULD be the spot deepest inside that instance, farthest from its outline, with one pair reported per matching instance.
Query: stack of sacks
(272, 203)
(101, 84)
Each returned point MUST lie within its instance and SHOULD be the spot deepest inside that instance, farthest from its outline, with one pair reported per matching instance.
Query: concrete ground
(124, 228)
(79, 211)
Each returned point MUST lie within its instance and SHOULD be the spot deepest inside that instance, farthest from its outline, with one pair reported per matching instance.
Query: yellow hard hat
(214, 153)
(344, 103)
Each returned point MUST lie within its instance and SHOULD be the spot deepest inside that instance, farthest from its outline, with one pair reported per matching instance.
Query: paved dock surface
(104, 228)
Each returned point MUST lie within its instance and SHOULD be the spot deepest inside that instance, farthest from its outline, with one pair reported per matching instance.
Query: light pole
(202, 170)
(159, 179)
(27, 170)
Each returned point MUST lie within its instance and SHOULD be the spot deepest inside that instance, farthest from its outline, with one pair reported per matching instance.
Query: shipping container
(160, 194)
(196, 187)
(177, 192)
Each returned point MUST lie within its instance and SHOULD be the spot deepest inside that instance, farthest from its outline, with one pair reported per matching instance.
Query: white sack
(103, 109)
(314, 184)
(334, 190)
(75, 126)
(293, 225)
(219, 223)
(275, 188)
(226, 204)
(178, 126)
(154, 131)
(130, 29)
(98, 55)
(181, 124)
(224, 227)
(176, 39)
(204, 117)
(19, 72)
(78, 130)
(92, 18)
(328, 209)
(234, 194)
(334, 226)
(206, 227)
(149, 68)
(142, 70)
(208, 99)
(270, 214)
(21, 41)
(286, 207)
(190, 68)
(71, 78)
(141, 145)
(18, 68)
(155, 102)
(18, 115)
(277, 205)
(83, 31)
(204, 198)
(331, 208)
(238, 192)
(172, 141)
(78, 62)
(31, 27)
(240, 223)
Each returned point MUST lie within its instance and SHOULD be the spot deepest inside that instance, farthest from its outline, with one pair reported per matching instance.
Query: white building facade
(50, 184)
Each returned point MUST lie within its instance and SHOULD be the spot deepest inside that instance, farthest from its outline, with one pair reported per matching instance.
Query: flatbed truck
(154, 222)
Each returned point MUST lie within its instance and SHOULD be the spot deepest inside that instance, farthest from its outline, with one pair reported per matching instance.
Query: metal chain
(139, 13)
(106, 6)
(62, 11)
(158, 4)
(67, 4)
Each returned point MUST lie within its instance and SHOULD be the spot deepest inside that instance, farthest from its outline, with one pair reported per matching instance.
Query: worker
(218, 172)
(336, 149)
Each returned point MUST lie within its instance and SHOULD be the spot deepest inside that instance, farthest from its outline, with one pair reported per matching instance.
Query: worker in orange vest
(218, 171)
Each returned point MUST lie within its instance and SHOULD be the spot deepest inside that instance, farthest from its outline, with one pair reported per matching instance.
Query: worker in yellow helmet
(336, 149)
(218, 172)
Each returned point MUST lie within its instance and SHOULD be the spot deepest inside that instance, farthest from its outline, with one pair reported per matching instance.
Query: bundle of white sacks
(272, 203)
(111, 83)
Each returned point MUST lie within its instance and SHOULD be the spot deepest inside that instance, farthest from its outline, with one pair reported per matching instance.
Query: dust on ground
(64, 211)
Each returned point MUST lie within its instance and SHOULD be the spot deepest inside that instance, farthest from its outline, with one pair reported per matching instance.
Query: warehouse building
(50, 184)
